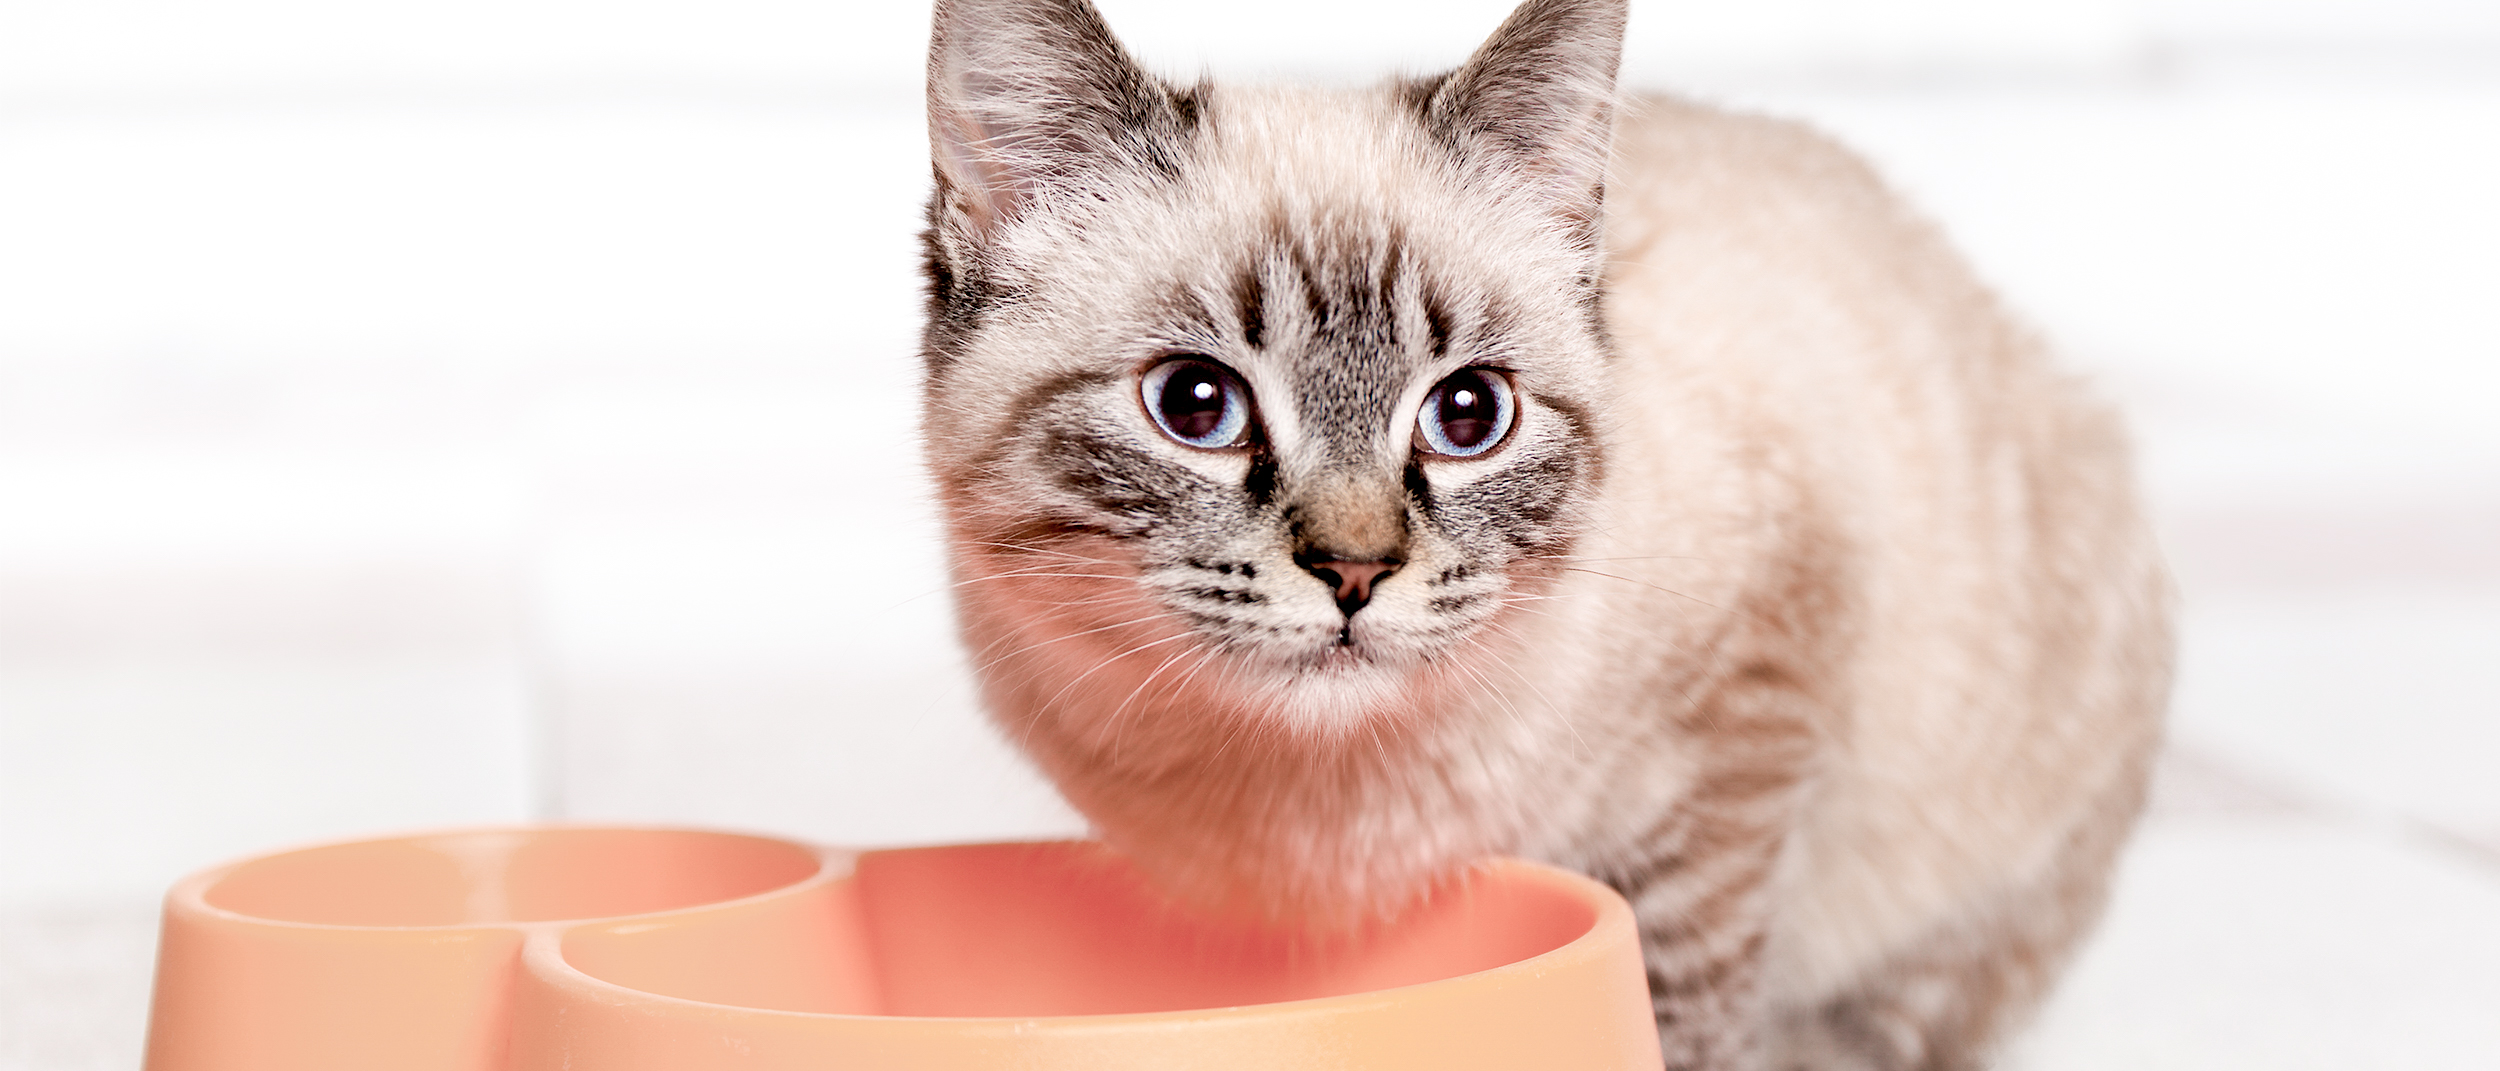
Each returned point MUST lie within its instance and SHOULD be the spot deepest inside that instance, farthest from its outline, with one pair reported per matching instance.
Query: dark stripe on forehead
(1250, 303)
(1192, 319)
(1306, 278)
(1351, 359)
(1386, 285)
(1437, 321)
(1496, 323)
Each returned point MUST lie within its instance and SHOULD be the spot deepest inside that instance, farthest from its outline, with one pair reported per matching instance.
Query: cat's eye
(1197, 402)
(1466, 414)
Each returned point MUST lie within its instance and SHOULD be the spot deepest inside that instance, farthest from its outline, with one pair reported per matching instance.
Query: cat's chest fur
(1346, 485)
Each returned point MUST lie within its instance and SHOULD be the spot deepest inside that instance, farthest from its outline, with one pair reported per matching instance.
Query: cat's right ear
(1032, 98)
(1534, 107)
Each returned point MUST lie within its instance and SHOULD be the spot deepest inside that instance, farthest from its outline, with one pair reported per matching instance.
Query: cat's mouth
(1346, 652)
(1349, 653)
(1379, 643)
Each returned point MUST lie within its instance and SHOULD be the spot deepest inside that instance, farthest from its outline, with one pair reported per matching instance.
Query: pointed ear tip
(1606, 16)
(1573, 19)
(1606, 10)
(1609, 15)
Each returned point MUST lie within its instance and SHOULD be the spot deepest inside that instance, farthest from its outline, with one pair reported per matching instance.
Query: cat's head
(1258, 404)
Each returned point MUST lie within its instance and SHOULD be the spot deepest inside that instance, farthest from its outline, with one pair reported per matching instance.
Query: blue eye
(1466, 414)
(1197, 402)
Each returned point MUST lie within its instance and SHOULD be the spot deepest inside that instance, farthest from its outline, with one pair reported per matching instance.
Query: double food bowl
(639, 950)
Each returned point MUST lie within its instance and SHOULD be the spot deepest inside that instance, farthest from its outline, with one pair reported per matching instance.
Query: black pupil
(1467, 410)
(1193, 401)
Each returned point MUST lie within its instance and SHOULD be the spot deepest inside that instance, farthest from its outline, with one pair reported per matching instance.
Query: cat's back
(1758, 246)
(1768, 294)
(1806, 363)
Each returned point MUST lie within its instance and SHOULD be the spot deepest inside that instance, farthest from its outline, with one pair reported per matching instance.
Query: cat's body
(1786, 587)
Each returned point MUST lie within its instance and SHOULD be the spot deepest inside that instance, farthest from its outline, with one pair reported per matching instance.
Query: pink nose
(1353, 580)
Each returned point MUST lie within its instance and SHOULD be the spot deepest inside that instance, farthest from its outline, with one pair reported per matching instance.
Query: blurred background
(417, 414)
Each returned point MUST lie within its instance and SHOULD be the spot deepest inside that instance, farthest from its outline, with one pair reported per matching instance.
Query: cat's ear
(1032, 97)
(1535, 105)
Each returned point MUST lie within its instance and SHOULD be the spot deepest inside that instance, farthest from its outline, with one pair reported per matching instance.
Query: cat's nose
(1353, 580)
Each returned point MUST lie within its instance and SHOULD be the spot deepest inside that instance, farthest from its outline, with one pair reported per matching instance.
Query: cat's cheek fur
(1082, 716)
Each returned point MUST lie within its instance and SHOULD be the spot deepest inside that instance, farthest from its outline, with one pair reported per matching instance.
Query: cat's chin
(1339, 690)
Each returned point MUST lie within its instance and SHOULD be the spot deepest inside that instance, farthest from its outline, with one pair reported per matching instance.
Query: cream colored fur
(1848, 673)
(1793, 339)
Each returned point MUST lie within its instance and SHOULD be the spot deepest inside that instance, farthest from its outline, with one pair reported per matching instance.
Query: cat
(1346, 485)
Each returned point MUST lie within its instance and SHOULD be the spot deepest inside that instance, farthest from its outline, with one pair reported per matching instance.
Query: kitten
(1341, 490)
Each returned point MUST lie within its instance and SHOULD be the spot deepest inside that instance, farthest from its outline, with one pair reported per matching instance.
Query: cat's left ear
(1031, 98)
(1534, 107)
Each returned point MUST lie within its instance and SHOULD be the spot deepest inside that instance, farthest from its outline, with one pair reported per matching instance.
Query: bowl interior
(508, 876)
(1063, 929)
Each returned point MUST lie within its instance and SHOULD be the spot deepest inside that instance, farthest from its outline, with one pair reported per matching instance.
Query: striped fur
(1803, 602)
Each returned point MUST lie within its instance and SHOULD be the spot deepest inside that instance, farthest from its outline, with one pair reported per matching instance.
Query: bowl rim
(541, 941)
(190, 893)
(1608, 912)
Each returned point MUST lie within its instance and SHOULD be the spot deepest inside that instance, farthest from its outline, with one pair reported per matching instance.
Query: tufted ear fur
(1533, 109)
(1030, 99)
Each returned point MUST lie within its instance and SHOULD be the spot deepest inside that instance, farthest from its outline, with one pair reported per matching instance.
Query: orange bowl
(586, 949)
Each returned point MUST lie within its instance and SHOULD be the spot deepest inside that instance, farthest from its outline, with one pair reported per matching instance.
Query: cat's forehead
(1338, 195)
(1333, 169)
(1353, 146)
(1350, 166)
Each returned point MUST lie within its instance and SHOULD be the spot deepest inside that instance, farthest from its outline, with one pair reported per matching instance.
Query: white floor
(430, 461)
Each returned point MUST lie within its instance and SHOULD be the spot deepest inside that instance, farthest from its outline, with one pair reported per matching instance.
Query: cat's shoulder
(1675, 155)
(1661, 133)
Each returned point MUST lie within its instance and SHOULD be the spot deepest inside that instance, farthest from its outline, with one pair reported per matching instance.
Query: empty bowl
(587, 949)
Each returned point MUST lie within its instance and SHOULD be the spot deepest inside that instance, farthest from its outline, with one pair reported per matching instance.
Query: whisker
(1039, 644)
(1647, 584)
(1145, 682)
(1119, 715)
(1105, 664)
(1025, 548)
(1569, 724)
(1045, 574)
(1623, 558)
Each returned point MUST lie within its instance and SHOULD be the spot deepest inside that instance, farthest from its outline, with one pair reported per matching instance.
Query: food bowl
(631, 949)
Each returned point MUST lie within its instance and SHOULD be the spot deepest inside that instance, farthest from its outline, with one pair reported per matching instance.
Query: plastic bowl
(589, 949)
